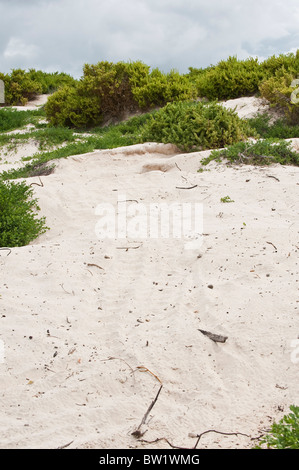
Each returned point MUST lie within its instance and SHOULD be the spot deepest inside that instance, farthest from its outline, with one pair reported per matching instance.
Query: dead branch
(163, 439)
(218, 432)
(138, 433)
(198, 436)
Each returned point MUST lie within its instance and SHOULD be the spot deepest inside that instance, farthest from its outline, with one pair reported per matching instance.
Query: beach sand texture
(91, 328)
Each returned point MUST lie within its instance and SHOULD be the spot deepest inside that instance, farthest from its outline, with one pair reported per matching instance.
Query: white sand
(88, 328)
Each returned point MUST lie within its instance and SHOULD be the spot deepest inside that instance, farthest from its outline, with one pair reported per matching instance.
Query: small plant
(280, 129)
(261, 152)
(226, 199)
(284, 434)
(19, 224)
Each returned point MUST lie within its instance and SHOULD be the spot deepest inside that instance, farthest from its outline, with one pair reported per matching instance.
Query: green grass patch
(280, 129)
(262, 152)
(119, 135)
(11, 119)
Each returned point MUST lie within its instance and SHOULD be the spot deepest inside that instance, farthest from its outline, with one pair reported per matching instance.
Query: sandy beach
(92, 327)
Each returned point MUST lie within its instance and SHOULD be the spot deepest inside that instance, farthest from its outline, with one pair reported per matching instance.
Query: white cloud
(65, 34)
(18, 49)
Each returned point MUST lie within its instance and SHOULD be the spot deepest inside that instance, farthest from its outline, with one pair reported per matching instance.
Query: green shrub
(22, 86)
(196, 126)
(281, 64)
(19, 87)
(229, 79)
(285, 434)
(109, 92)
(103, 93)
(278, 90)
(160, 89)
(18, 222)
(262, 152)
(280, 129)
(50, 82)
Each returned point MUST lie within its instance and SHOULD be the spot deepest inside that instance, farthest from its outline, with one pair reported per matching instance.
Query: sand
(91, 327)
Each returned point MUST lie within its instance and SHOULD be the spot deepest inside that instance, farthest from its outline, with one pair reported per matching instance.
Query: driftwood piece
(214, 337)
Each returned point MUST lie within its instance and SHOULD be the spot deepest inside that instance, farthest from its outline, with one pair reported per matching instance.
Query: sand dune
(93, 327)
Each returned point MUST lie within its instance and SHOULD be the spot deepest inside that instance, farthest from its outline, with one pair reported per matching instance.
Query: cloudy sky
(63, 35)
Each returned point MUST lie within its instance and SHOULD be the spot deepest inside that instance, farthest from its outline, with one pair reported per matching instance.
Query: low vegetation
(108, 92)
(284, 434)
(94, 113)
(19, 224)
(22, 86)
(261, 152)
(196, 126)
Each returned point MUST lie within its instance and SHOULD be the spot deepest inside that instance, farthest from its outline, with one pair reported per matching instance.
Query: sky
(63, 35)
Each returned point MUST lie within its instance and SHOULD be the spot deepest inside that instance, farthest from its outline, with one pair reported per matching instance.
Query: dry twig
(138, 432)
(191, 187)
(7, 249)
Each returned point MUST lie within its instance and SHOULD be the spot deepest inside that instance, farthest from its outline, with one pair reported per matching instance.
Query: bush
(160, 89)
(50, 82)
(108, 92)
(279, 65)
(278, 91)
(18, 222)
(229, 79)
(19, 87)
(71, 107)
(22, 86)
(196, 126)
(104, 93)
(262, 152)
(285, 434)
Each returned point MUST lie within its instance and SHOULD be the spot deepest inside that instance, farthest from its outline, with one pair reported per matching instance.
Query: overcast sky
(63, 35)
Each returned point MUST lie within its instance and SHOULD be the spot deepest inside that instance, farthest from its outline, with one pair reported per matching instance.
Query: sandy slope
(92, 327)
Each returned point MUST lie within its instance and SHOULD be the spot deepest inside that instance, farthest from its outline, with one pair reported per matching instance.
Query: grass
(261, 152)
(75, 143)
(62, 142)
(280, 129)
(11, 119)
